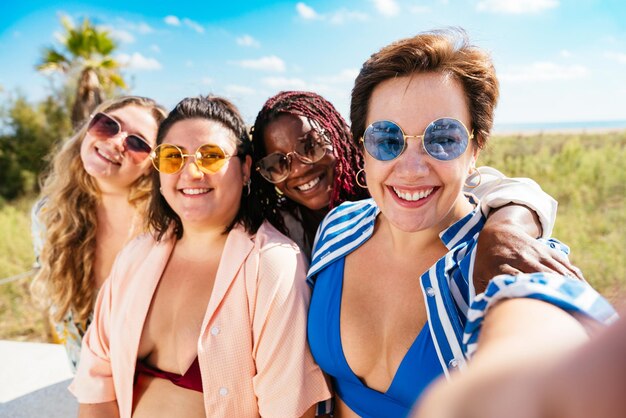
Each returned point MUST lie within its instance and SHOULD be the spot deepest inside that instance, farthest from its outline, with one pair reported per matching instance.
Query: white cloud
(172, 20)
(516, 6)
(616, 56)
(564, 53)
(121, 35)
(236, 89)
(189, 64)
(193, 25)
(344, 76)
(270, 63)
(247, 40)
(343, 15)
(155, 48)
(306, 12)
(336, 17)
(136, 61)
(545, 71)
(143, 28)
(387, 7)
(138, 27)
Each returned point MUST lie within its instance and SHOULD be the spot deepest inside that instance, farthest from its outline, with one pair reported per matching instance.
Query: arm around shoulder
(496, 190)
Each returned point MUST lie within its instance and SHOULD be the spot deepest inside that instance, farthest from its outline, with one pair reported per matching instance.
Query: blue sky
(557, 60)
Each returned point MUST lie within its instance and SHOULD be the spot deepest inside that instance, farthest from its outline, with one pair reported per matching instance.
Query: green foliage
(20, 318)
(30, 131)
(585, 174)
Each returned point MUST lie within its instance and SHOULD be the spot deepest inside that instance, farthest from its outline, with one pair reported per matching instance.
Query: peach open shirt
(253, 353)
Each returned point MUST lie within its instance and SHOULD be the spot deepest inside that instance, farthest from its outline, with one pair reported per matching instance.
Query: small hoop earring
(358, 174)
(161, 190)
(278, 191)
(473, 182)
(247, 184)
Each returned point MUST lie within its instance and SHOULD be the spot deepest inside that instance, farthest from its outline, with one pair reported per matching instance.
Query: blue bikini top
(419, 367)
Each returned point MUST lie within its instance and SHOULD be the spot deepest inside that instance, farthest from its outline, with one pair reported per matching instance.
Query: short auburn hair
(445, 51)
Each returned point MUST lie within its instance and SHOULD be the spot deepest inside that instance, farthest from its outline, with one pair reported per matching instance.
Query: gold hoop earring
(278, 191)
(358, 174)
(473, 182)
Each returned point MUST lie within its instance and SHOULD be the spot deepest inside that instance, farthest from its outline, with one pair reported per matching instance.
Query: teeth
(414, 196)
(195, 191)
(108, 157)
(308, 186)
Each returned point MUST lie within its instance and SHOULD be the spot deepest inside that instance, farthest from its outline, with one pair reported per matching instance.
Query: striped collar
(351, 224)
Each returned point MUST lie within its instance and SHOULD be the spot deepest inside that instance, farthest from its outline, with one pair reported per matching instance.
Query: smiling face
(308, 184)
(105, 158)
(201, 199)
(415, 191)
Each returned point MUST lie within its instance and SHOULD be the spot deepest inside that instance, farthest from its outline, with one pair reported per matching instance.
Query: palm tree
(86, 59)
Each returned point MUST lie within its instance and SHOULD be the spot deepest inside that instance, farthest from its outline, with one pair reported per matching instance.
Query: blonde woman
(93, 201)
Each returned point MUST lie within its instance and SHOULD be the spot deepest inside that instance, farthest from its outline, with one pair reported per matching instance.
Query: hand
(505, 247)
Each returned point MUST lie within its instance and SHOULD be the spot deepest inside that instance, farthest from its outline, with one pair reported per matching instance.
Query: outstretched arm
(520, 337)
(523, 330)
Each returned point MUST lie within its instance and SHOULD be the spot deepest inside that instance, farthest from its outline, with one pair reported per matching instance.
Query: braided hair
(348, 155)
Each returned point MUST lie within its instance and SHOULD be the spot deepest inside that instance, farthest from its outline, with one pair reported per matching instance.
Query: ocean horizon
(559, 126)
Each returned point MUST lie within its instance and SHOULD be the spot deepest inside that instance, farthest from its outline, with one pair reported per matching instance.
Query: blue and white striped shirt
(454, 312)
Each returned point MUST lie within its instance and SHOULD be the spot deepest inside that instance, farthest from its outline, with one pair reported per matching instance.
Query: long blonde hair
(70, 198)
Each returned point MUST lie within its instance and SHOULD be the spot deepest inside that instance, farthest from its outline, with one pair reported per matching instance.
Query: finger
(561, 264)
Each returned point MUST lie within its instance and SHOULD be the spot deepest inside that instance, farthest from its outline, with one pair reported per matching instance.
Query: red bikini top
(192, 379)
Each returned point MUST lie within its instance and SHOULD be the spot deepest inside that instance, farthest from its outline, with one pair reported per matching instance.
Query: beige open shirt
(253, 352)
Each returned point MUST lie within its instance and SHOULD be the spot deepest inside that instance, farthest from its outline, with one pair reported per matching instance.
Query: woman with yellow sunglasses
(205, 315)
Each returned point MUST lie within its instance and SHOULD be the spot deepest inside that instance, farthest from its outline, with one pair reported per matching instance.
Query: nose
(296, 165)
(118, 140)
(190, 169)
(413, 162)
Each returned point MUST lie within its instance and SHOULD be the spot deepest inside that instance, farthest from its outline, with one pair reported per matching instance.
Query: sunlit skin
(105, 159)
(308, 184)
(197, 197)
(413, 102)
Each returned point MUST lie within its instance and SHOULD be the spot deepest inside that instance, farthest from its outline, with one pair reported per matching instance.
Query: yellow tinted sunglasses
(170, 159)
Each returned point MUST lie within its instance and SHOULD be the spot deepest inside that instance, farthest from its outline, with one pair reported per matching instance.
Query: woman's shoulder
(270, 239)
(343, 218)
(134, 254)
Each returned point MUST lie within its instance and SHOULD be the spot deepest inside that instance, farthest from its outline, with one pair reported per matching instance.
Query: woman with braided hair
(304, 150)
(303, 185)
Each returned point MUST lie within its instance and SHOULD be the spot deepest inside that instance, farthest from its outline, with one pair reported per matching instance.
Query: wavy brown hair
(68, 212)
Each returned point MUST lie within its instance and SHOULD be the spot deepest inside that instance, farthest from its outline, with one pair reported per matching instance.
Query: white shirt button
(430, 291)
(215, 330)
(223, 391)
